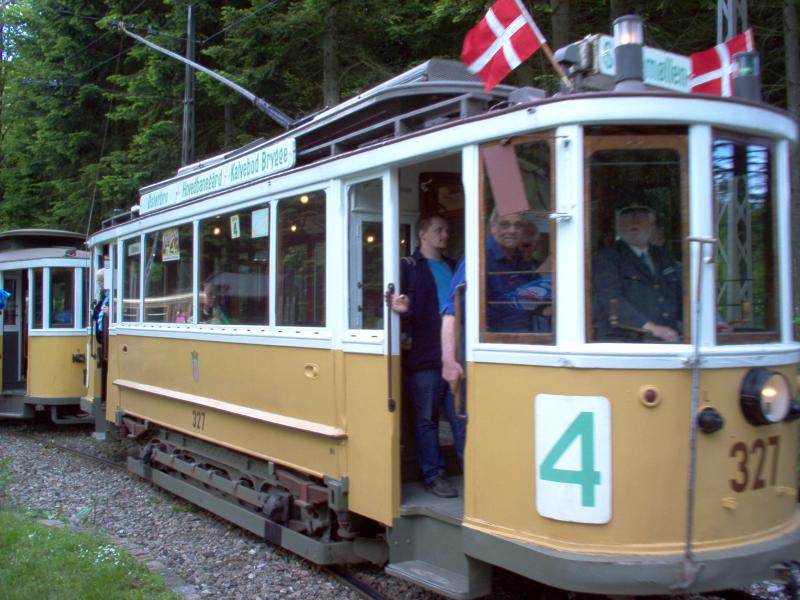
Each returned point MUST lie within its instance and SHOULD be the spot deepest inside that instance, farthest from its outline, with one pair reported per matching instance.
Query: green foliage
(89, 115)
(44, 562)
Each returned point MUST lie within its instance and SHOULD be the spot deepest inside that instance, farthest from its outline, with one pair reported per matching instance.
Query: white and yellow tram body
(43, 334)
(580, 470)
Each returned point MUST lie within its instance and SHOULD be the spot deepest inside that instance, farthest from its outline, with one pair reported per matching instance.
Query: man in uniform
(637, 291)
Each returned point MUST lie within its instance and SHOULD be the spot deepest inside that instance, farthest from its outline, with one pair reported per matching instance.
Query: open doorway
(14, 331)
(432, 197)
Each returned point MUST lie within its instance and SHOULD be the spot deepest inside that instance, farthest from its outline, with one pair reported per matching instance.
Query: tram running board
(426, 549)
(321, 553)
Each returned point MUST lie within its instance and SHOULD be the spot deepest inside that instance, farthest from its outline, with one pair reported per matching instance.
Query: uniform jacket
(641, 296)
(421, 325)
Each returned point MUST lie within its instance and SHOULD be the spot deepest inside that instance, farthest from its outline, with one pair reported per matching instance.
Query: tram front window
(636, 195)
(38, 294)
(61, 298)
(234, 268)
(168, 275)
(745, 213)
(517, 291)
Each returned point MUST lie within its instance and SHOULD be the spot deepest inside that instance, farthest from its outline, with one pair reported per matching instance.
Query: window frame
(772, 335)
(484, 335)
(621, 140)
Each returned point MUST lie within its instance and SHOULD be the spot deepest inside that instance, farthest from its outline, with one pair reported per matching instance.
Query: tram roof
(435, 94)
(33, 238)
(42, 255)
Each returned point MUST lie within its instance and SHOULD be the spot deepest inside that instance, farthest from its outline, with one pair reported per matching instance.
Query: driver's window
(636, 195)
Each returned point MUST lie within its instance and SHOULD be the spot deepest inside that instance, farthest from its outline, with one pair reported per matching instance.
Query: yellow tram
(43, 274)
(251, 349)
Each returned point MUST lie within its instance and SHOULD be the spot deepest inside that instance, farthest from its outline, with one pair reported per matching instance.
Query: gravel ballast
(200, 555)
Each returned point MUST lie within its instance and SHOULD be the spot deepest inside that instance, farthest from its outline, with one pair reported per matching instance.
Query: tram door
(13, 373)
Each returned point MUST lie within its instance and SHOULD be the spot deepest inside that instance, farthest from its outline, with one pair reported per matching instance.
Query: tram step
(437, 579)
(426, 549)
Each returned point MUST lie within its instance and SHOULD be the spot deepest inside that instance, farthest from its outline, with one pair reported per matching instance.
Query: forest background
(90, 115)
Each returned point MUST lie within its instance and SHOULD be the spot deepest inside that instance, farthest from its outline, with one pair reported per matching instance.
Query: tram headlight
(765, 396)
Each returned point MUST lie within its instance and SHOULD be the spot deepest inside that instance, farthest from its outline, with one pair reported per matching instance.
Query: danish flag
(497, 45)
(712, 69)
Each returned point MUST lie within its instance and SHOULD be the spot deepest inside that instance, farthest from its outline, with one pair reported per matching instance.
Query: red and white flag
(712, 69)
(497, 45)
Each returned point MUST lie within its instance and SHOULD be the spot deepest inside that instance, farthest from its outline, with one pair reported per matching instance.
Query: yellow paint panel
(309, 453)
(373, 437)
(335, 390)
(296, 382)
(650, 455)
(51, 372)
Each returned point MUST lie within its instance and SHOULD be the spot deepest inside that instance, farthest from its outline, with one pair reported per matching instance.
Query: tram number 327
(755, 462)
(198, 419)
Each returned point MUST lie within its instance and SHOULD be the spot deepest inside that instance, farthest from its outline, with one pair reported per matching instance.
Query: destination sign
(661, 69)
(257, 163)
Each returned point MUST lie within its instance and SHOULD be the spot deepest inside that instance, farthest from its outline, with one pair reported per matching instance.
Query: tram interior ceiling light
(628, 44)
(766, 397)
(747, 76)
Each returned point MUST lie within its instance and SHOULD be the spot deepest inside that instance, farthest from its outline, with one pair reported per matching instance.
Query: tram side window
(131, 263)
(517, 303)
(636, 195)
(234, 268)
(38, 291)
(747, 295)
(62, 297)
(301, 260)
(168, 275)
(366, 255)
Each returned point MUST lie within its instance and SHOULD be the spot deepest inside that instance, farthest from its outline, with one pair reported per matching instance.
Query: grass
(46, 563)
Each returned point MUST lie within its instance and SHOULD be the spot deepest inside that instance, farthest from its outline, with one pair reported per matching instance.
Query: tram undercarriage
(305, 516)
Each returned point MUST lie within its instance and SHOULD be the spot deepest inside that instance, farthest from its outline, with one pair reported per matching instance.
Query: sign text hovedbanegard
(258, 163)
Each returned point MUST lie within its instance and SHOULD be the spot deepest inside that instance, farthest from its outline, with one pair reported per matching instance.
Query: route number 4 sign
(573, 458)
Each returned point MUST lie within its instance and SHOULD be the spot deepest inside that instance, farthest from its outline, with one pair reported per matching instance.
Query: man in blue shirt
(424, 282)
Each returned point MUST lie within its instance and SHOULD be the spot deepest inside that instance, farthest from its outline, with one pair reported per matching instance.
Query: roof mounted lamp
(747, 76)
(628, 44)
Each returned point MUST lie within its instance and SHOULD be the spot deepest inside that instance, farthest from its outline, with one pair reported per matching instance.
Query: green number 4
(582, 427)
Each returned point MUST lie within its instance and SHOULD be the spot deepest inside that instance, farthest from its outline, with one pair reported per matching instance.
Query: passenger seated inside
(518, 287)
(637, 286)
(211, 306)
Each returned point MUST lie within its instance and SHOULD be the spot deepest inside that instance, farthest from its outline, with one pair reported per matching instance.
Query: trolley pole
(187, 147)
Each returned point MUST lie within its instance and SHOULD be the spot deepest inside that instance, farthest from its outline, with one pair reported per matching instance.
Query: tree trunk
(330, 59)
(792, 48)
(560, 22)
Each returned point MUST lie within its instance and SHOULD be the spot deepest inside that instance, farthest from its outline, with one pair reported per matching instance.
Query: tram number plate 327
(198, 419)
(756, 464)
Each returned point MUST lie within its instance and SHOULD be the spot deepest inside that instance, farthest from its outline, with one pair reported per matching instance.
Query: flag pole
(549, 53)
(559, 70)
